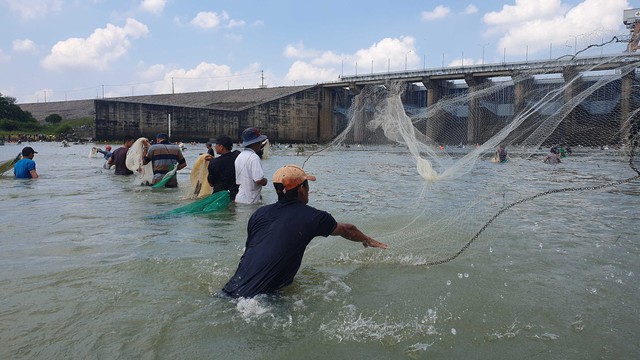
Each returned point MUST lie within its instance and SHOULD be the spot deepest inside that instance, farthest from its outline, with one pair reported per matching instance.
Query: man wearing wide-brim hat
(249, 174)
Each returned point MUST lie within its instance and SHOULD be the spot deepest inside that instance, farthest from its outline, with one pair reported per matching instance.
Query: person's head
(108, 147)
(292, 183)
(224, 144)
(162, 138)
(128, 141)
(252, 138)
(28, 152)
(208, 145)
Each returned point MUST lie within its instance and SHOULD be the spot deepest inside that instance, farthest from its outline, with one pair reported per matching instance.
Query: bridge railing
(601, 62)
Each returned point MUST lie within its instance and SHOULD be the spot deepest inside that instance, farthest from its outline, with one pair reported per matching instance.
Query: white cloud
(438, 13)
(304, 73)
(4, 57)
(33, 9)
(24, 45)
(524, 10)
(235, 38)
(152, 72)
(298, 51)
(327, 58)
(153, 6)
(391, 54)
(236, 23)
(533, 26)
(470, 9)
(464, 62)
(209, 20)
(204, 77)
(101, 48)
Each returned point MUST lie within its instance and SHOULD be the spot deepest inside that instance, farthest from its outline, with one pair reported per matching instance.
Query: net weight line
(545, 193)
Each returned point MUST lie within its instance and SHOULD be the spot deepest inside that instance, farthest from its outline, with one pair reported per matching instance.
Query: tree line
(14, 119)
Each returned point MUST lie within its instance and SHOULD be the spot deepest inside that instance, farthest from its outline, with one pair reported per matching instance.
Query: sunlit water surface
(85, 273)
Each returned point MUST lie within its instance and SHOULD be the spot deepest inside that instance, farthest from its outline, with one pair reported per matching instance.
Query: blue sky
(58, 50)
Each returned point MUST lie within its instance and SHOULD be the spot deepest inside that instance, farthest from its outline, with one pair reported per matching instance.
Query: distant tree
(53, 119)
(10, 111)
(63, 129)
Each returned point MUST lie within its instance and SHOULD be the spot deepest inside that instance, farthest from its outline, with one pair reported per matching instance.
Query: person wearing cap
(222, 171)
(278, 234)
(106, 152)
(119, 157)
(25, 168)
(248, 166)
(162, 155)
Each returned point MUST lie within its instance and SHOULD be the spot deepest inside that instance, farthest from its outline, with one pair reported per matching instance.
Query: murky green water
(84, 274)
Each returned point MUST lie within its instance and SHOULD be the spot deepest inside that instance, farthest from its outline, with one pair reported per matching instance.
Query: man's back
(248, 170)
(278, 235)
(222, 173)
(162, 156)
(119, 159)
(22, 169)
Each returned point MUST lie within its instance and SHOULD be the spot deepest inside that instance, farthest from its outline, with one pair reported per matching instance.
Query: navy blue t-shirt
(278, 235)
(222, 173)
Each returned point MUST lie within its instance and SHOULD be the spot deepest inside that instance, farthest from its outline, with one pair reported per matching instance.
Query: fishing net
(134, 162)
(199, 185)
(7, 165)
(212, 203)
(165, 179)
(426, 172)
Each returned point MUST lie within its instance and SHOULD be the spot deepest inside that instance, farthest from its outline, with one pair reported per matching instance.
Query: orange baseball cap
(291, 176)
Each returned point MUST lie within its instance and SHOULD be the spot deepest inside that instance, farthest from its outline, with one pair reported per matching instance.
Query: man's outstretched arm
(351, 232)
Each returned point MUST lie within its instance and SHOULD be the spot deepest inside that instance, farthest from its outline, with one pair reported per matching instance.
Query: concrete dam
(317, 113)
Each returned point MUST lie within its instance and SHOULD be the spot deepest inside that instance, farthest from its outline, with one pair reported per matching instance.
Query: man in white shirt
(249, 174)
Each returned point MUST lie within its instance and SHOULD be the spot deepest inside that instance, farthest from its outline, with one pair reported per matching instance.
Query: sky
(58, 50)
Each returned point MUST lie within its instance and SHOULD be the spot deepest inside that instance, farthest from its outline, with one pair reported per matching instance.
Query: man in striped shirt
(162, 155)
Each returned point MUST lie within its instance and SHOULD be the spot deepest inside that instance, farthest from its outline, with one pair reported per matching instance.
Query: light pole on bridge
(406, 55)
(483, 45)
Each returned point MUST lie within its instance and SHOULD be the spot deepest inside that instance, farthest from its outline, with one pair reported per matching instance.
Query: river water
(87, 273)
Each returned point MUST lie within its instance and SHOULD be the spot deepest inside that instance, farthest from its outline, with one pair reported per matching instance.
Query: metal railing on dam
(591, 63)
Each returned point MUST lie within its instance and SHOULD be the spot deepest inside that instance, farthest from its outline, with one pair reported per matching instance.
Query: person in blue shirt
(106, 152)
(279, 233)
(25, 168)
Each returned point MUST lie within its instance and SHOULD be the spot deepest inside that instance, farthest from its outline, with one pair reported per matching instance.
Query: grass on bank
(11, 130)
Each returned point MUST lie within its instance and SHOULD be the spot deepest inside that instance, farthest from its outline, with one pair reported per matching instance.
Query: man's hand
(373, 243)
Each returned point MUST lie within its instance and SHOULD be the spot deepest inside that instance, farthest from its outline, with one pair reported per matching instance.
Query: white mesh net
(589, 116)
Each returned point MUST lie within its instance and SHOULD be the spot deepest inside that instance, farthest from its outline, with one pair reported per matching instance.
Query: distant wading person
(162, 155)
(25, 168)
(210, 149)
(501, 154)
(249, 174)
(106, 152)
(553, 157)
(278, 234)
